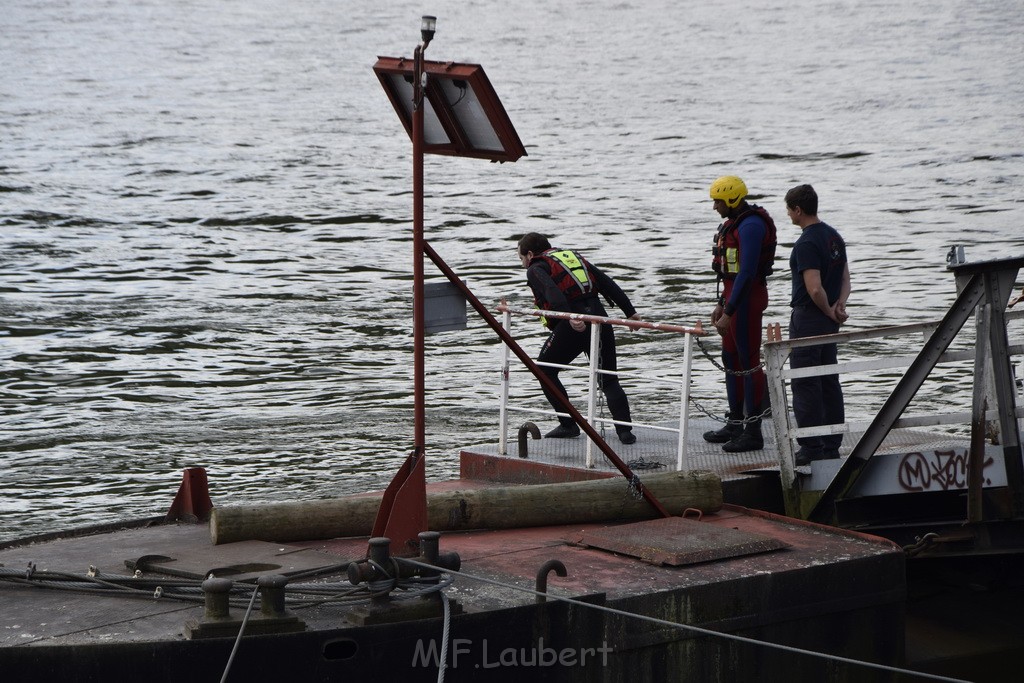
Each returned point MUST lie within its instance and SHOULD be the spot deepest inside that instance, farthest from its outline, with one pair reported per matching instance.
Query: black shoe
(563, 432)
(727, 433)
(627, 437)
(744, 442)
(805, 456)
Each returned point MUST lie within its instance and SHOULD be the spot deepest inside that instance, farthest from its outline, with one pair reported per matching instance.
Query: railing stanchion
(595, 337)
(684, 403)
(776, 350)
(506, 322)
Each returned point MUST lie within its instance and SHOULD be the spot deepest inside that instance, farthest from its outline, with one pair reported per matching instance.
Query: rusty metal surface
(237, 561)
(676, 541)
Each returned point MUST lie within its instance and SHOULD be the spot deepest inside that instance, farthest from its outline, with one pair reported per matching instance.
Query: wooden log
(484, 508)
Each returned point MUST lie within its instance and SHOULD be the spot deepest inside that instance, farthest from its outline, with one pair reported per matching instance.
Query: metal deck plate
(676, 541)
(238, 561)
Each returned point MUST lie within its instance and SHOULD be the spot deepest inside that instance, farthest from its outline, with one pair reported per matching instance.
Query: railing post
(1020, 421)
(684, 402)
(595, 338)
(506, 322)
(775, 353)
(976, 457)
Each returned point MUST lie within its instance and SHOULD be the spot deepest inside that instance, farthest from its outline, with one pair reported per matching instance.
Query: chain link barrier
(766, 413)
(714, 361)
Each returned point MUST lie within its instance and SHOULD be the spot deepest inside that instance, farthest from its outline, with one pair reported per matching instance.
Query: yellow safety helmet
(729, 189)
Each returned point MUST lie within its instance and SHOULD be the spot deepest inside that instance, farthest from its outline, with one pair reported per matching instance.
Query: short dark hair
(803, 197)
(535, 242)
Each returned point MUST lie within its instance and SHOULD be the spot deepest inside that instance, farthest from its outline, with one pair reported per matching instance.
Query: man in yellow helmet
(562, 280)
(742, 257)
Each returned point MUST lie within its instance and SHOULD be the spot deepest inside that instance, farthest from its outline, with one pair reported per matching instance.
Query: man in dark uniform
(562, 280)
(742, 258)
(821, 286)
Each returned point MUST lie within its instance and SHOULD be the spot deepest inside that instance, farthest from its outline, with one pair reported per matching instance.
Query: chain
(707, 413)
(714, 361)
(634, 487)
(921, 543)
(600, 388)
(641, 464)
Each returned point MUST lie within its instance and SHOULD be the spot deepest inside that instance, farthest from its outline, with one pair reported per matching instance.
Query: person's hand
(722, 324)
(716, 314)
(839, 313)
(577, 325)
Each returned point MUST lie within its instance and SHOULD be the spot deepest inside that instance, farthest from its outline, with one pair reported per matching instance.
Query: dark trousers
(816, 400)
(563, 346)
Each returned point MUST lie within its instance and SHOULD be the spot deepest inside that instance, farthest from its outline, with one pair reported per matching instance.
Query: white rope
(444, 638)
(241, 630)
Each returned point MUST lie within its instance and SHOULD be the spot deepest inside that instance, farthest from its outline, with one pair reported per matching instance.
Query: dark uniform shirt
(820, 248)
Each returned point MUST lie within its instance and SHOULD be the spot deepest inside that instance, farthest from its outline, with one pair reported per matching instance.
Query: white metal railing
(776, 352)
(594, 371)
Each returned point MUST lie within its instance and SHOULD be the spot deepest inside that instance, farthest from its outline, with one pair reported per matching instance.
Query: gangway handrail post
(506, 323)
(595, 337)
(684, 402)
(976, 458)
(775, 354)
(998, 285)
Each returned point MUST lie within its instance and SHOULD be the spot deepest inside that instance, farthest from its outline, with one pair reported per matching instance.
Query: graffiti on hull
(925, 471)
(938, 471)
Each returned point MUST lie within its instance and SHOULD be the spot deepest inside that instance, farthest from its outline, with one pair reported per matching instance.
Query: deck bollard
(272, 594)
(216, 596)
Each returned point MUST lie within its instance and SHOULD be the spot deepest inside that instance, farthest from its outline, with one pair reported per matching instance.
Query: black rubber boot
(563, 431)
(749, 440)
(730, 431)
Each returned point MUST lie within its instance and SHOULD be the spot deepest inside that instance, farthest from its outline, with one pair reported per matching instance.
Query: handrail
(594, 371)
(634, 323)
(776, 351)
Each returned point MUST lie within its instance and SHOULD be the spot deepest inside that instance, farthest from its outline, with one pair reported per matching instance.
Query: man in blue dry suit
(821, 286)
(743, 255)
(562, 280)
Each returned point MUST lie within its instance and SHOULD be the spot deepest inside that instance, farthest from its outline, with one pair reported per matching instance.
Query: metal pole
(997, 293)
(506, 324)
(595, 332)
(976, 457)
(419, 383)
(684, 400)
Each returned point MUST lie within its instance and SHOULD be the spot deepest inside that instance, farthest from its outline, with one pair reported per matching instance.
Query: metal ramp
(983, 483)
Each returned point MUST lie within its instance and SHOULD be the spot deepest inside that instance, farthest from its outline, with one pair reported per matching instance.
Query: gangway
(858, 490)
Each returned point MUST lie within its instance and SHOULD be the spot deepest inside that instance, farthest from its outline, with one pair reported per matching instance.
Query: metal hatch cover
(238, 561)
(676, 541)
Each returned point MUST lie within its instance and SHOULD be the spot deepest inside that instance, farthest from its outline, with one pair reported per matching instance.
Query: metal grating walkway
(656, 449)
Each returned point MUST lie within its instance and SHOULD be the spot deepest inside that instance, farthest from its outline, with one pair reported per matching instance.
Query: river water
(205, 213)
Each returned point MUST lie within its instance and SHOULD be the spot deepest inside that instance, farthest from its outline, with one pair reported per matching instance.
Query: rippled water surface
(205, 213)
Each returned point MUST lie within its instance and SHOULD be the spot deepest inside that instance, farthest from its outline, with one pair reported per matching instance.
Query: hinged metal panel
(676, 541)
